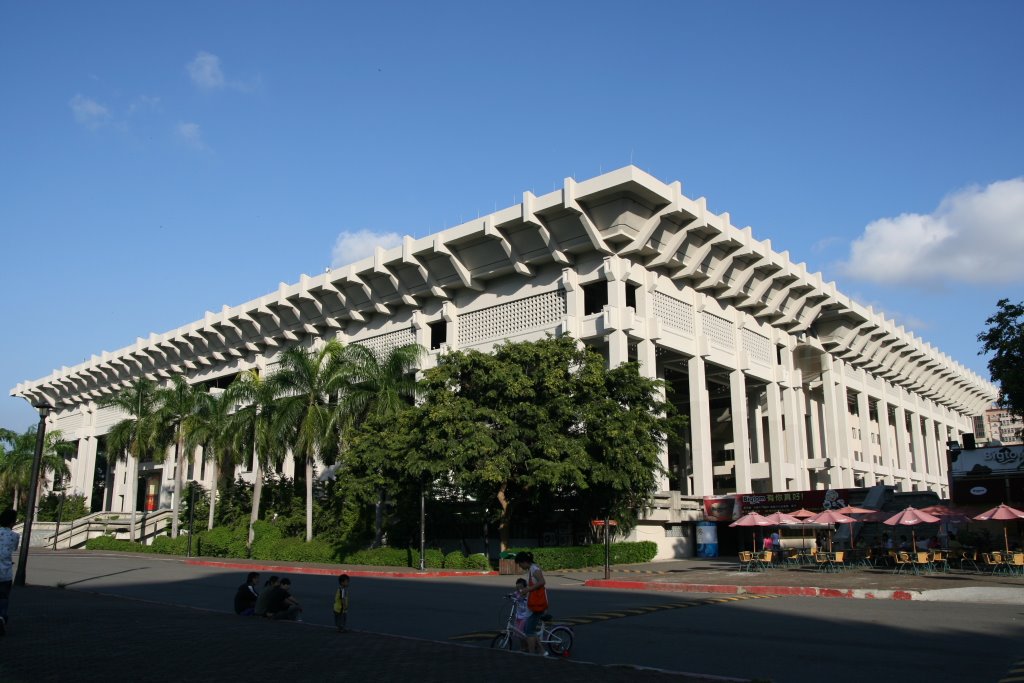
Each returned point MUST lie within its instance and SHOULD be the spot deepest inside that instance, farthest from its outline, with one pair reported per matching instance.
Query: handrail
(76, 533)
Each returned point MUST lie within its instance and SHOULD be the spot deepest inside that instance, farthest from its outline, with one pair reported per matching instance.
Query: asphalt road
(785, 639)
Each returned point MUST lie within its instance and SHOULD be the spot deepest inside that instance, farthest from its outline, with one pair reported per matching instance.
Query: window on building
(595, 297)
(631, 295)
(438, 334)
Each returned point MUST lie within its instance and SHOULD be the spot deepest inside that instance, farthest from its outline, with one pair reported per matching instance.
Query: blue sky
(164, 159)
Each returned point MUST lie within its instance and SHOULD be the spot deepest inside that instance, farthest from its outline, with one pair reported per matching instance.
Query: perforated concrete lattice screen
(718, 331)
(758, 347)
(674, 313)
(382, 344)
(498, 322)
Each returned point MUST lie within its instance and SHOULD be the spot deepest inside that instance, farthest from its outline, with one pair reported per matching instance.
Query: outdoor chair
(747, 561)
(940, 560)
(923, 560)
(992, 566)
(839, 560)
(969, 558)
(791, 558)
(822, 562)
(1015, 564)
(767, 559)
(903, 561)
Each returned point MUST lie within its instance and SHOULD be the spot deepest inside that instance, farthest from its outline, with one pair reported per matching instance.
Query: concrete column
(919, 466)
(757, 425)
(931, 445)
(866, 447)
(775, 437)
(836, 435)
(884, 436)
(902, 452)
(86, 469)
(740, 436)
(700, 429)
(646, 355)
(814, 449)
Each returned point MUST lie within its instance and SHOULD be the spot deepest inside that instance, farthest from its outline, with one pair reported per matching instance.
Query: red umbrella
(752, 519)
(1002, 513)
(854, 510)
(947, 514)
(782, 519)
(911, 517)
(802, 514)
(876, 516)
(830, 517)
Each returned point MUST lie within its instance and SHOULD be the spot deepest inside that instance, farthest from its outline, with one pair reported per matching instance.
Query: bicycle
(557, 640)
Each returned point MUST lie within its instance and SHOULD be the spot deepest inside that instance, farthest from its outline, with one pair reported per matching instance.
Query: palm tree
(213, 426)
(258, 431)
(380, 390)
(309, 383)
(8, 440)
(133, 436)
(16, 465)
(176, 404)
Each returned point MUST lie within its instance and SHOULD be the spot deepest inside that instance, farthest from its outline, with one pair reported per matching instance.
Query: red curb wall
(323, 571)
(800, 591)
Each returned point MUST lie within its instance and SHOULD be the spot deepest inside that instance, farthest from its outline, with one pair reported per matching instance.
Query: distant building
(998, 424)
(788, 384)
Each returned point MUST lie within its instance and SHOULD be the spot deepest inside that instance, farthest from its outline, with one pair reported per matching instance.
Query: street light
(26, 534)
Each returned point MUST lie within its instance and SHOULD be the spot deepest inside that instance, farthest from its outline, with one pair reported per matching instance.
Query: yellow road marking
(633, 612)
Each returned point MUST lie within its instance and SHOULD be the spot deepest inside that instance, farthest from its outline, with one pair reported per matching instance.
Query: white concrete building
(788, 383)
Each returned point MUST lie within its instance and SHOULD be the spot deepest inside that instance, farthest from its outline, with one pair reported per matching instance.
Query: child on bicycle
(522, 611)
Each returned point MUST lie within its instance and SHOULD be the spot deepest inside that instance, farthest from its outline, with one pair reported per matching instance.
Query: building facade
(999, 424)
(788, 384)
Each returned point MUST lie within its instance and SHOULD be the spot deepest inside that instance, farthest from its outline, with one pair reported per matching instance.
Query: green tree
(259, 431)
(309, 384)
(214, 427)
(536, 422)
(16, 464)
(379, 390)
(1004, 339)
(134, 436)
(175, 405)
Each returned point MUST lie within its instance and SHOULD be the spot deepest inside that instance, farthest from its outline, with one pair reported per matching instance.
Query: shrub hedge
(456, 560)
(269, 545)
(577, 557)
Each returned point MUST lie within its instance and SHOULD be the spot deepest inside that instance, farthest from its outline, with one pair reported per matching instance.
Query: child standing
(341, 604)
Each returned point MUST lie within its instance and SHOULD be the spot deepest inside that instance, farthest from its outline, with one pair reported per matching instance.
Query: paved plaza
(61, 635)
(151, 618)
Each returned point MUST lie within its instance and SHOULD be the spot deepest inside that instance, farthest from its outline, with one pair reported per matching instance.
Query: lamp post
(26, 535)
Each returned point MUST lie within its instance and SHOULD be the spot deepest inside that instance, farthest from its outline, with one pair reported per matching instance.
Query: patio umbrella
(802, 514)
(947, 514)
(830, 517)
(752, 519)
(854, 510)
(1001, 513)
(911, 517)
(782, 519)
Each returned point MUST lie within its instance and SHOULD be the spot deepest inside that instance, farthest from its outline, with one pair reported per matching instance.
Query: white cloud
(976, 235)
(89, 112)
(354, 246)
(191, 134)
(143, 102)
(205, 71)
